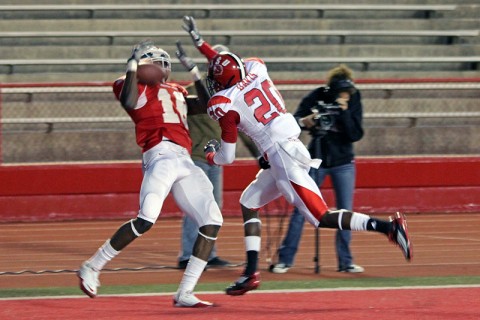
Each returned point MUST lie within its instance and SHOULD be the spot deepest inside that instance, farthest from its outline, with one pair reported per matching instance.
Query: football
(149, 73)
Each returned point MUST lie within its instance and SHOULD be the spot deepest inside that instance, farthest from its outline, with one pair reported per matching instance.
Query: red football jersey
(160, 113)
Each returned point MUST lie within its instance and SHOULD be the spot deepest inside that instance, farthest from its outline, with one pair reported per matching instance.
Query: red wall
(110, 190)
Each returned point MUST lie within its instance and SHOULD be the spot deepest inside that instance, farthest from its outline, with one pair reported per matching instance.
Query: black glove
(263, 163)
(211, 146)
(190, 26)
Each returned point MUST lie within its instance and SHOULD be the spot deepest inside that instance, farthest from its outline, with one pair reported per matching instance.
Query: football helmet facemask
(153, 54)
(224, 71)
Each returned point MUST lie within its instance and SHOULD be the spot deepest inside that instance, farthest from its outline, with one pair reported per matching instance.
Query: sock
(252, 246)
(379, 226)
(103, 255)
(192, 273)
(252, 260)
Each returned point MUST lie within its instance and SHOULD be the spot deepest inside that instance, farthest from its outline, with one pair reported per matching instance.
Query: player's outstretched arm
(129, 93)
(205, 48)
(187, 62)
(196, 104)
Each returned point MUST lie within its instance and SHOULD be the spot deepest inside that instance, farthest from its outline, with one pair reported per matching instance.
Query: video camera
(324, 116)
(325, 113)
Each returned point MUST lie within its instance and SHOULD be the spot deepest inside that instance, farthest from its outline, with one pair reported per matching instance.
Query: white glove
(190, 26)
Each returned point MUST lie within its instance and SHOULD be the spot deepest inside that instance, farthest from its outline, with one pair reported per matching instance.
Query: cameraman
(333, 117)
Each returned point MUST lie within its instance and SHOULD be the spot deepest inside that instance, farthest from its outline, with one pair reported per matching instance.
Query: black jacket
(335, 147)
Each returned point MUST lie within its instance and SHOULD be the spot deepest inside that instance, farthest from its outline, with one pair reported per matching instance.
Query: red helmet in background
(224, 71)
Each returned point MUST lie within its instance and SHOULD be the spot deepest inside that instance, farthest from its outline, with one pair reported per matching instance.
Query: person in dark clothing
(333, 116)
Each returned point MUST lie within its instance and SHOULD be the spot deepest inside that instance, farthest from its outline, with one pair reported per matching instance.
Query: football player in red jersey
(244, 98)
(159, 112)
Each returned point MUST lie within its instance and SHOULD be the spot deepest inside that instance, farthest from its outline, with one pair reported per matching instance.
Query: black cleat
(399, 235)
(244, 284)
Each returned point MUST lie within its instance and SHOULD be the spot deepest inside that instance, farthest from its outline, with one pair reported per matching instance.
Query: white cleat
(187, 299)
(88, 279)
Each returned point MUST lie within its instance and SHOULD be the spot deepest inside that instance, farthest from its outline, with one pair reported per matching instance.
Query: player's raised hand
(186, 61)
(137, 52)
(135, 55)
(190, 26)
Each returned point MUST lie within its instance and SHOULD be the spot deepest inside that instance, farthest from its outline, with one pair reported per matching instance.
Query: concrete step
(236, 24)
(275, 75)
(248, 14)
(310, 50)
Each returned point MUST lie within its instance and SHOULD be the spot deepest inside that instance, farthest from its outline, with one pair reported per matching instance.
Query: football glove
(263, 163)
(138, 49)
(190, 26)
(137, 52)
(186, 61)
(212, 146)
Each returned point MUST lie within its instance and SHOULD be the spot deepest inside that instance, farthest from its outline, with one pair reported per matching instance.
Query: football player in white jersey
(244, 98)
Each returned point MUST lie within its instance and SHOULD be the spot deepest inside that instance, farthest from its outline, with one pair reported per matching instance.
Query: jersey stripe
(218, 100)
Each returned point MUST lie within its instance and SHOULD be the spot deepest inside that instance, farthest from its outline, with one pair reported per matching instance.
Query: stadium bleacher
(84, 41)
(86, 31)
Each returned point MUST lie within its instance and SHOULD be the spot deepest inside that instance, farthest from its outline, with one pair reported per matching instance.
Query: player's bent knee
(140, 226)
(214, 218)
(209, 231)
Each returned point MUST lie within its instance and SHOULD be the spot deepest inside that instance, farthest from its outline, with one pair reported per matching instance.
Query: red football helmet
(224, 71)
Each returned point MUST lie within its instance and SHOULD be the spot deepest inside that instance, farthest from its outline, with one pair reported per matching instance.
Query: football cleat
(244, 284)
(399, 235)
(88, 279)
(187, 299)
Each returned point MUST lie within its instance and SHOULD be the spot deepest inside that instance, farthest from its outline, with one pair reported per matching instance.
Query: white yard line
(160, 294)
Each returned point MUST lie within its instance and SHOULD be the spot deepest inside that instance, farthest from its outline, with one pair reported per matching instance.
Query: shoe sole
(84, 289)
(201, 304)
(280, 271)
(240, 292)
(404, 241)
(351, 271)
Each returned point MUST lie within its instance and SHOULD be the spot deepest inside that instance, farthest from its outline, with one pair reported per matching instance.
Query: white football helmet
(149, 53)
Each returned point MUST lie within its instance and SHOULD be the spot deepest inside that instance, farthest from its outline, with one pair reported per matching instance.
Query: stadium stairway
(385, 137)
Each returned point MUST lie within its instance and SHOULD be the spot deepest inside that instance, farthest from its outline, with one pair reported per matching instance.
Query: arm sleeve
(207, 50)
(197, 103)
(128, 95)
(352, 119)
(226, 153)
(228, 124)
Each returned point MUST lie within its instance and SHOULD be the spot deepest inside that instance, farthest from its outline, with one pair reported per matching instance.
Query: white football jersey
(261, 109)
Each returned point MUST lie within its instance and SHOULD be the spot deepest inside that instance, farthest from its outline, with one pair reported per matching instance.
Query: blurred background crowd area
(416, 64)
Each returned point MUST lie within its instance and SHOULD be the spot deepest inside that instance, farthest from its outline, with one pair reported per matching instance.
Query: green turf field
(267, 285)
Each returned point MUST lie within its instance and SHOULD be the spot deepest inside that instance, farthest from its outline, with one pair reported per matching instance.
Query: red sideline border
(75, 191)
(427, 303)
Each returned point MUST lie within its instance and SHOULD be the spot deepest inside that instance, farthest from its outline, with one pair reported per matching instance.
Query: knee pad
(140, 226)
